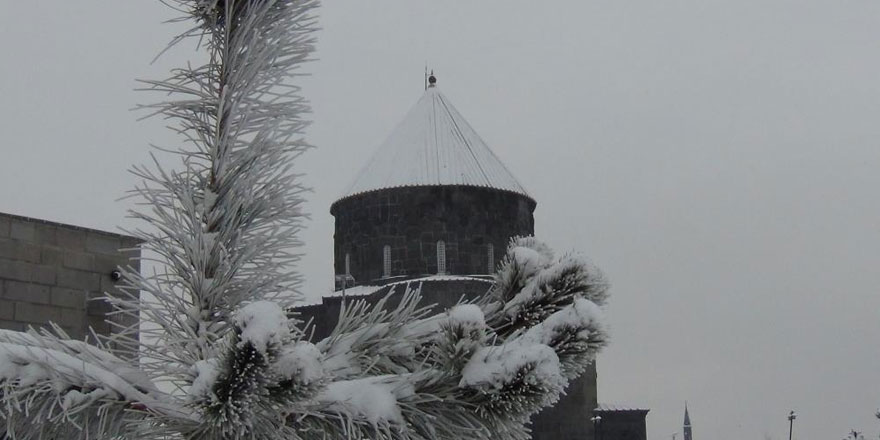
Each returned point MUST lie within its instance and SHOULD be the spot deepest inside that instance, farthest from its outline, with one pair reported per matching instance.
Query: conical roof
(434, 145)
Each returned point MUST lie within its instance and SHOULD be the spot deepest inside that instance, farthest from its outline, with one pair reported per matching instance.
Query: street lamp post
(791, 417)
(596, 421)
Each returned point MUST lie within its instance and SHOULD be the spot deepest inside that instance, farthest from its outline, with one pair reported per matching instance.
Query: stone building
(52, 272)
(615, 422)
(436, 207)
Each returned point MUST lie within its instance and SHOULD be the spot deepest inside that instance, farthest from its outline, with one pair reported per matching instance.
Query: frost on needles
(219, 357)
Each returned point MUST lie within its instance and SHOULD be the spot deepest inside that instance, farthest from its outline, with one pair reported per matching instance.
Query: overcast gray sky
(719, 159)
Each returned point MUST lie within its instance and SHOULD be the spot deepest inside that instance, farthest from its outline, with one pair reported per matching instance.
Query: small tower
(436, 205)
(433, 200)
(688, 435)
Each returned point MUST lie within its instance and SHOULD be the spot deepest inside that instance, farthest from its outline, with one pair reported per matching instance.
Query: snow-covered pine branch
(224, 223)
(531, 284)
(57, 388)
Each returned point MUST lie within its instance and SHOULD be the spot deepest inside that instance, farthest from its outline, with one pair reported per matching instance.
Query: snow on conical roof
(434, 145)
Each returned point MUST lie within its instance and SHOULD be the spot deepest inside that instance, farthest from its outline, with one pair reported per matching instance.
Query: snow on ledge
(366, 290)
(618, 407)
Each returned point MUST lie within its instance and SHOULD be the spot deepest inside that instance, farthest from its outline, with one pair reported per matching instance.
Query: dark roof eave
(69, 226)
(531, 200)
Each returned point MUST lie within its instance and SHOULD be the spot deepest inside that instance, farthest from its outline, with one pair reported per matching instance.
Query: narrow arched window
(490, 251)
(386, 261)
(441, 257)
(347, 263)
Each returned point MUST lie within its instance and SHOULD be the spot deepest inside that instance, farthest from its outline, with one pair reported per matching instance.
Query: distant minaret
(687, 424)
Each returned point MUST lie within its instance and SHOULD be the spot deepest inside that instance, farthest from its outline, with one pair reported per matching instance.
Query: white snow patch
(582, 314)
(108, 361)
(467, 315)
(301, 361)
(531, 291)
(373, 398)
(32, 365)
(354, 291)
(366, 290)
(262, 323)
(75, 398)
(531, 242)
(210, 199)
(206, 375)
(498, 365)
(530, 260)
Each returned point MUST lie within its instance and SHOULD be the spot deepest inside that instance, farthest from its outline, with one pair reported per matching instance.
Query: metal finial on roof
(432, 80)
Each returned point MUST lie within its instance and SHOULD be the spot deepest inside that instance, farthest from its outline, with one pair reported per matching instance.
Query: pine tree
(221, 357)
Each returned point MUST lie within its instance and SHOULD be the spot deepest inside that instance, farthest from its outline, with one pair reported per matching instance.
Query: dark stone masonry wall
(622, 424)
(570, 417)
(55, 272)
(411, 220)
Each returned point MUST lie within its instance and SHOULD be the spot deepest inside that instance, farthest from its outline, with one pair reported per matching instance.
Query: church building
(435, 207)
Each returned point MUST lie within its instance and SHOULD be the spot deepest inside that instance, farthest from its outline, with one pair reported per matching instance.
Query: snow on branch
(531, 285)
(224, 223)
(576, 333)
(63, 387)
(373, 339)
(373, 398)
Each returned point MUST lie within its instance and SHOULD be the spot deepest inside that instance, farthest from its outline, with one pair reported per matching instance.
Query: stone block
(43, 274)
(69, 298)
(46, 234)
(107, 263)
(79, 260)
(36, 313)
(19, 250)
(71, 318)
(98, 307)
(26, 292)
(16, 270)
(108, 286)
(130, 242)
(22, 230)
(51, 256)
(12, 325)
(98, 324)
(77, 279)
(5, 222)
(104, 244)
(71, 239)
(7, 310)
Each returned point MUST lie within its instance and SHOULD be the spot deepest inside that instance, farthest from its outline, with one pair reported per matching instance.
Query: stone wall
(570, 417)
(411, 220)
(621, 424)
(55, 272)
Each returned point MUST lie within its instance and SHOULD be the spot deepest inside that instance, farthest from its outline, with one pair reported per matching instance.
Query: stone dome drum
(433, 199)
